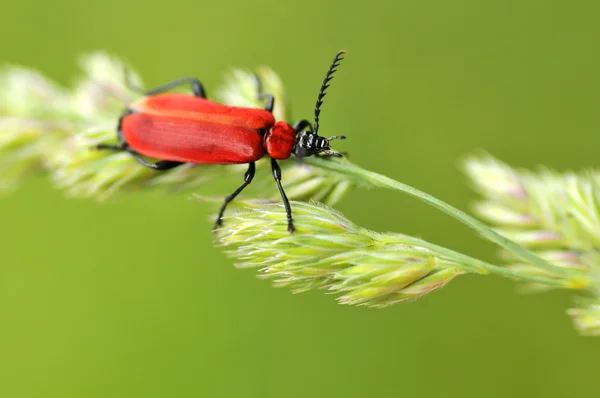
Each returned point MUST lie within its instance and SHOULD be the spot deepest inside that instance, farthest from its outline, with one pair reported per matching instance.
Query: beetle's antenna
(325, 85)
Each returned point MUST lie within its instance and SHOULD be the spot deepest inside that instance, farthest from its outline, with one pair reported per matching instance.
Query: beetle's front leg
(286, 202)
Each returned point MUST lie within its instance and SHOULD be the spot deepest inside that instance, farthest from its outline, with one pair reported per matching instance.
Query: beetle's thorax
(279, 140)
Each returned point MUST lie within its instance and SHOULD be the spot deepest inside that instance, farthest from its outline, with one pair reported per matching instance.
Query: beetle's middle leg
(262, 96)
(247, 180)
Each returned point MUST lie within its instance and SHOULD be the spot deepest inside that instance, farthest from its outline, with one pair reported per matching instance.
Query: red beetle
(180, 128)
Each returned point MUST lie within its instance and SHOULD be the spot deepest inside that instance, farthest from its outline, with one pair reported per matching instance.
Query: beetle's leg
(270, 101)
(334, 154)
(247, 180)
(262, 96)
(286, 202)
(166, 165)
(303, 124)
(122, 146)
(120, 136)
(109, 147)
(197, 87)
(160, 165)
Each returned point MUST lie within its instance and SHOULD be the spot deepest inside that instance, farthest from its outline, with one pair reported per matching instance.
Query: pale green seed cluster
(329, 252)
(32, 119)
(556, 215)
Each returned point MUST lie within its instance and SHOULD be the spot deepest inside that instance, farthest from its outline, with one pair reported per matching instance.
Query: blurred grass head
(329, 252)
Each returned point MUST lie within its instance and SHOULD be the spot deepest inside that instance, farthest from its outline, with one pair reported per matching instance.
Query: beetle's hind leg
(110, 147)
(161, 165)
(120, 147)
(123, 147)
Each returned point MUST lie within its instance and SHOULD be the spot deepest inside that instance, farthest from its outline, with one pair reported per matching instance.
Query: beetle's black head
(308, 142)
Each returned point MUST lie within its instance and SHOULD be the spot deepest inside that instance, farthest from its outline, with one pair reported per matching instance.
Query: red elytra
(180, 128)
(190, 129)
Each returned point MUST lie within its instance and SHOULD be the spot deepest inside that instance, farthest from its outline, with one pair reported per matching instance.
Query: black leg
(247, 180)
(262, 96)
(160, 165)
(330, 154)
(123, 147)
(303, 124)
(120, 136)
(270, 101)
(163, 165)
(286, 202)
(197, 87)
(109, 147)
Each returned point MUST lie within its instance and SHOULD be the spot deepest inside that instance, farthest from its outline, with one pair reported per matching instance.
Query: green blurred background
(130, 299)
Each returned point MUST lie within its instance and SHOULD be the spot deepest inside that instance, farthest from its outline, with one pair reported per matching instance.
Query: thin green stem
(359, 174)
(478, 265)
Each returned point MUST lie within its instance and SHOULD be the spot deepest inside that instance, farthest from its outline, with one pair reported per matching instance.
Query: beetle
(179, 128)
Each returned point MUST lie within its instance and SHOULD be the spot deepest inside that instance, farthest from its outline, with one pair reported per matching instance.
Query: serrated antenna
(325, 85)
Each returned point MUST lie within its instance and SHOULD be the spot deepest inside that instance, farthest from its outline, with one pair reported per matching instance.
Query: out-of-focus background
(130, 299)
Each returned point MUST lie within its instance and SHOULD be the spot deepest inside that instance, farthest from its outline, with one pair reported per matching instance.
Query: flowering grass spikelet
(330, 252)
(33, 117)
(552, 212)
(557, 215)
